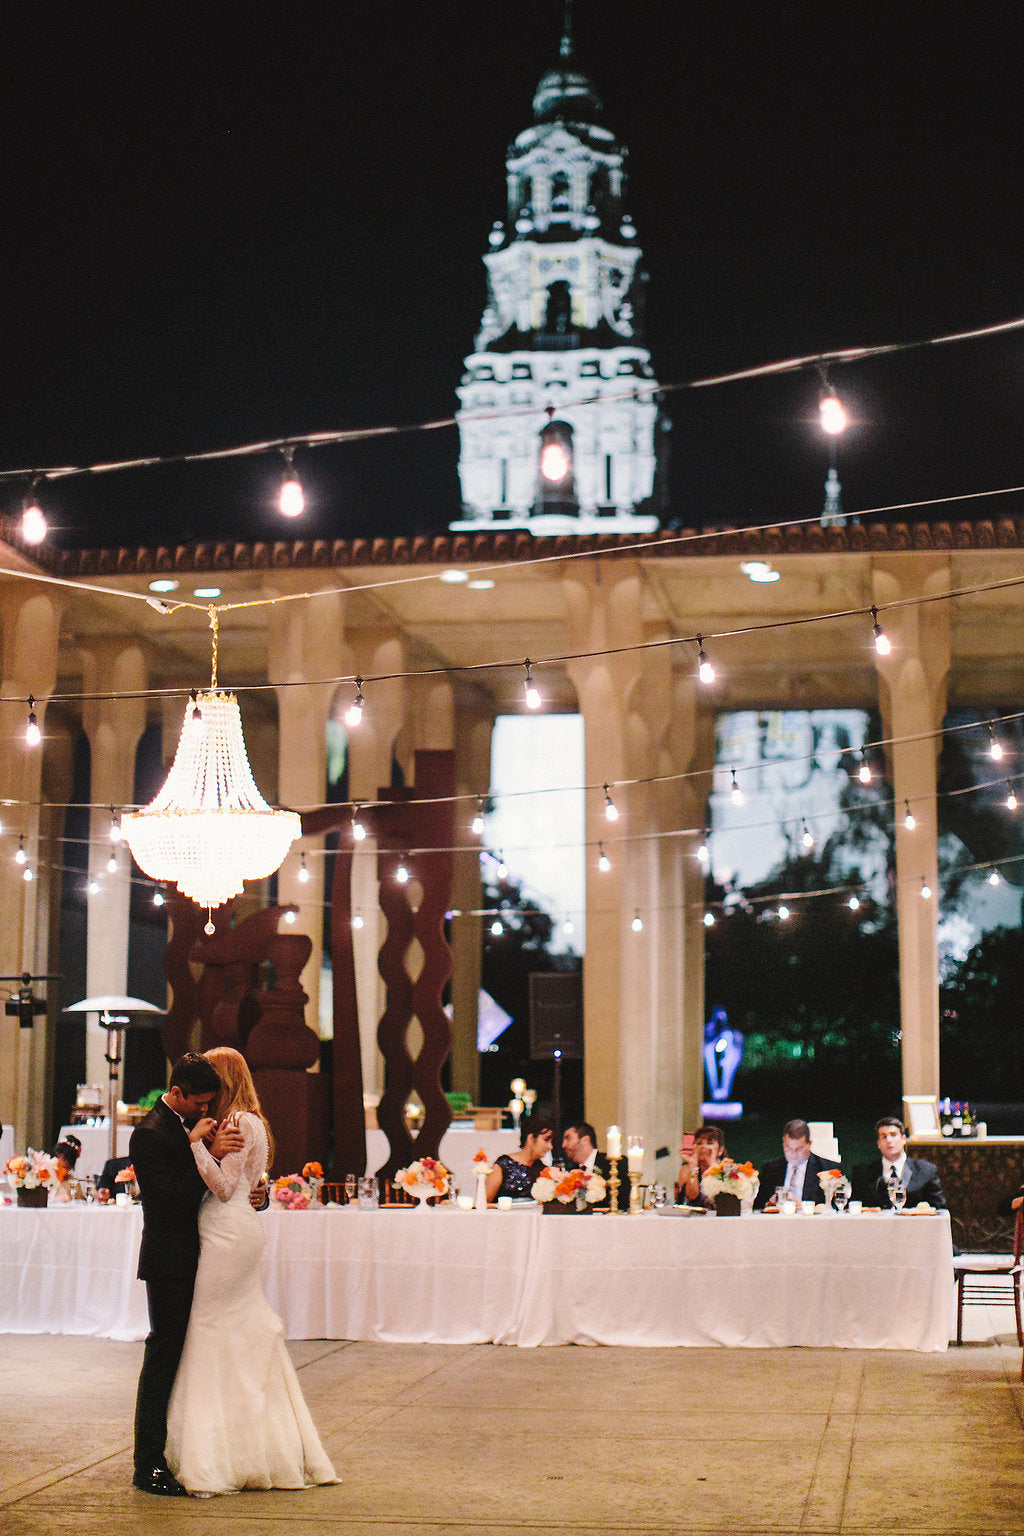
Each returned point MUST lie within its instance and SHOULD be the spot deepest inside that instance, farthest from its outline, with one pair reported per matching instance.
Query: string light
(478, 819)
(291, 500)
(568, 926)
(358, 829)
(357, 920)
(735, 792)
(883, 645)
(34, 527)
(354, 713)
(554, 462)
(497, 928)
(533, 698)
(705, 671)
(94, 888)
(1011, 801)
(303, 873)
(604, 863)
(502, 866)
(995, 746)
(158, 898)
(402, 874)
(291, 916)
(21, 857)
(854, 902)
(909, 820)
(864, 771)
(783, 913)
(806, 838)
(926, 890)
(112, 865)
(637, 924)
(115, 827)
(833, 416)
(709, 919)
(703, 852)
(27, 874)
(33, 735)
(611, 810)
(993, 878)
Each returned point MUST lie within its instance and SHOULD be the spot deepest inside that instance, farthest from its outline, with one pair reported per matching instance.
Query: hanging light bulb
(115, 827)
(478, 819)
(783, 913)
(291, 501)
(705, 671)
(303, 873)
(158, 898)
(883, 645)
(704, 852)
(637, 924)
(568, 926)
(291, 915)
(995, 746)
(27, 874)
(34, 527)
(93, 887)
(993, 878)
(806, 837)
(830, 409)
(533, 698)
(611, 810)
(709, 919)
(33, 735)
(357, 921)
(1011, 800)
(909, 820)
(926, 890)
(354, 713)
(402, 874)
(864, 771)
(21, 857)
(496, 928)
(854, 902)
(358, 828)
(735, 792)
(604, 863)
(112, 865)
(554, 462)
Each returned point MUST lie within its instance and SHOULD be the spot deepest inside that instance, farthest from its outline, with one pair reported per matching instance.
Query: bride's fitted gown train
(237, 1417)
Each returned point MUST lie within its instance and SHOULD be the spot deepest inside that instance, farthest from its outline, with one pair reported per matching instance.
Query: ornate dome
(567, 93)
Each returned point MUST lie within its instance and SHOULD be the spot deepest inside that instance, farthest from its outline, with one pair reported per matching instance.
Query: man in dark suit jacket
(920, 1179)
(580, 1147)
(797, 1168)
(171, 1190)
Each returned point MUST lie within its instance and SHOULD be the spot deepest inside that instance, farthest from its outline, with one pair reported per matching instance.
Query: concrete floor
(485, 1441)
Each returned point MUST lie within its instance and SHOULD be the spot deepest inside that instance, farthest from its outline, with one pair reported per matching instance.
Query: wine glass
(898, 1196)
(350, 1188)
(842, 1194)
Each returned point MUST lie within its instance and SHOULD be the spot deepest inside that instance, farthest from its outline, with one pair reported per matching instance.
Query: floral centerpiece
(33, 1176)
(574, 1187)
(831, 1181)
(314, 1173)
(126, 1176)
(291, 1193)
(738, 1180)
(424, 1179)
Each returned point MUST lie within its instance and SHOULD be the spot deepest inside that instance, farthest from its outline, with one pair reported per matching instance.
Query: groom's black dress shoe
(158, 1480)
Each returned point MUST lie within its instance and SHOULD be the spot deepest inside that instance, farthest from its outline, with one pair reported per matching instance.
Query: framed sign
(921, 1114)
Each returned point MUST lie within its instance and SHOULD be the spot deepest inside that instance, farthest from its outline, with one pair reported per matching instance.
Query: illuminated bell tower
(558, 410)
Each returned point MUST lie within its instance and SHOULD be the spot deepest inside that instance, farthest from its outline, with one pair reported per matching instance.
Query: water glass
(369, 1199)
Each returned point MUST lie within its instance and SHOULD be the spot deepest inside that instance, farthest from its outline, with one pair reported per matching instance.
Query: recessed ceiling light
(482, 584)
(206, 592)
(454, 577)
(163, 586)
(759, 570)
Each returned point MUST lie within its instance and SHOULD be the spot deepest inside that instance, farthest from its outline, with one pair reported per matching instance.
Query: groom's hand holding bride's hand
(225, 1138)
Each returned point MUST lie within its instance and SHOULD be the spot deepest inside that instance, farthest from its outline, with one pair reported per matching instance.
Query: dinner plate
(680, 1210)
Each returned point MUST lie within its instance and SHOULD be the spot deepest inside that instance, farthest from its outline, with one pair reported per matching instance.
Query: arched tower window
(558, 314)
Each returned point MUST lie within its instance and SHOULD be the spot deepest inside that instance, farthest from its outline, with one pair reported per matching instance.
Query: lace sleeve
(222, 1178)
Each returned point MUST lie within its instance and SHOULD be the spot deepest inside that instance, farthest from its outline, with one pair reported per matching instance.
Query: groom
(172, 1191)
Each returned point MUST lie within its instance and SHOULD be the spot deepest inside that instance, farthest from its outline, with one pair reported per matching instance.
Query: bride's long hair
(237, 1090)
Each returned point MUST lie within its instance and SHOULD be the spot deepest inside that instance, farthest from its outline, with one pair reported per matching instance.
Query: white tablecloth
(519, 1277)
(95, 1141)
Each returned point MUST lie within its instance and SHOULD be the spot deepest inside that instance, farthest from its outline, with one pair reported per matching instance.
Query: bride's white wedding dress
(237, 1418)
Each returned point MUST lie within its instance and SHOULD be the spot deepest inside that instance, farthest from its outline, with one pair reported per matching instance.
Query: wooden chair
(975, 1280)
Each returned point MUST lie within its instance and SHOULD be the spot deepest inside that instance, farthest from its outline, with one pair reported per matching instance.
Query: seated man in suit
(919, 1179)
(796, 1170)
(708, 1148)
(106, 1186)
(580, 1147)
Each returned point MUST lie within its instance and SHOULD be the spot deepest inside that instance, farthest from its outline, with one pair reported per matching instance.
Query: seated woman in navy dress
(514, 1173)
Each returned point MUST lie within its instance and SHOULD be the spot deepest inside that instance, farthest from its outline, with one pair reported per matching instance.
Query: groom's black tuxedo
(172, 1190)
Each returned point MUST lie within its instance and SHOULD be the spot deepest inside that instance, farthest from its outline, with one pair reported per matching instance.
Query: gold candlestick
(635, 1207)
(613, 1184)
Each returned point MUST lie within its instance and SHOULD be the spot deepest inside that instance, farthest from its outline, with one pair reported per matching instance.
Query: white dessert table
(520, 1277)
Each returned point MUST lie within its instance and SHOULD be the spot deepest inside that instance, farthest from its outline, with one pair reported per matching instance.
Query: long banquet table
(520, 1277)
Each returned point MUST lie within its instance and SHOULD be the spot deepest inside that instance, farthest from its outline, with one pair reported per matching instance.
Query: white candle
(613, 1141)
(635, 1155)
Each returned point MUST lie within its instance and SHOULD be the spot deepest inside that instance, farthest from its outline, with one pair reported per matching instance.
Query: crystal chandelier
(209, 829)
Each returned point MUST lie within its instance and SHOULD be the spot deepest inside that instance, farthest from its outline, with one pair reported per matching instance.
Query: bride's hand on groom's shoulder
(227, 1138)
(202, 1128)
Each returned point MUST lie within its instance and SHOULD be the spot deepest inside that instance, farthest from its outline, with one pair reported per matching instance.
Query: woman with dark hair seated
(514, 1173)
(66, 1152)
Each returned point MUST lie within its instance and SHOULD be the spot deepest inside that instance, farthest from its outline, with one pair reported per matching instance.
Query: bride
(237, 1418)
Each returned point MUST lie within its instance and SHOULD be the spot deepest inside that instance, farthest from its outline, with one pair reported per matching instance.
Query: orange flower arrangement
(729, 1178)
(481, 1156)
(564, 1185)
(312, 1171)
(425, 1173)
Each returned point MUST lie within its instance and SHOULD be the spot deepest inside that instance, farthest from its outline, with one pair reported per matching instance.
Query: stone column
(113, 727)
(633, 981)
(475, 726)
(31, 625)
(912, 695)
(305, 641)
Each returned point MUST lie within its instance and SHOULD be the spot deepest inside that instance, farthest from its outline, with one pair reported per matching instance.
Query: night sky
(227, 222)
